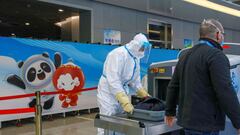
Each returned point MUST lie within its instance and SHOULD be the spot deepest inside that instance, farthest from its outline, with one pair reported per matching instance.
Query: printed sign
(235, 75)
(112, 37)
(187, 43)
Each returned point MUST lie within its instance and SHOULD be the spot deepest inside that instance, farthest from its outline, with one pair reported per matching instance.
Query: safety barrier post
(38, 114)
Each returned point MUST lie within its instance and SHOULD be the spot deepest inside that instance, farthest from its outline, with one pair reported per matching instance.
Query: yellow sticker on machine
(162, 70)
(158, 70)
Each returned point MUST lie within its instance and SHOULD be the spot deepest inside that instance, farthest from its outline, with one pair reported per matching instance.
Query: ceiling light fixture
(215, 6)
(67, 20)
(27, 24)
(60, 10)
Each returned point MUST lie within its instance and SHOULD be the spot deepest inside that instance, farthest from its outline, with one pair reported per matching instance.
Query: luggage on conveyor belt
(151, 104)
(148, 109)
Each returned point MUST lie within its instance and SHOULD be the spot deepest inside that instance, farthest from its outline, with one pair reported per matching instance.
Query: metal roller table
(123, 124)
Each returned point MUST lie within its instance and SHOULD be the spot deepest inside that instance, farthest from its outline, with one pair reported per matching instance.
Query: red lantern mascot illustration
(68, 77)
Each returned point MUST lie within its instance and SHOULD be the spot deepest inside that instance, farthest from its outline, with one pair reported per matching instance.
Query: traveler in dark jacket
(201, 86)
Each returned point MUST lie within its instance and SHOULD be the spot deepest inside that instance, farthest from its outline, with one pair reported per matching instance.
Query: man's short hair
(209, 27)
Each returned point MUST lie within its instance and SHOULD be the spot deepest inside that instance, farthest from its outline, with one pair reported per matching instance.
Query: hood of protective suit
(135, 44)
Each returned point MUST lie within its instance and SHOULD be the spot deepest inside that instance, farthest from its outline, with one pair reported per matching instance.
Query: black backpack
(151, 104)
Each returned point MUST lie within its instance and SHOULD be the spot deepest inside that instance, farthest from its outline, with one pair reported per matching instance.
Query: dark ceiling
(41, 16)
(234, 1)
(237, 2)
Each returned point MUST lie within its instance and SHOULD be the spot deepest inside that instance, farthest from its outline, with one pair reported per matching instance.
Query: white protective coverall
(121, 70)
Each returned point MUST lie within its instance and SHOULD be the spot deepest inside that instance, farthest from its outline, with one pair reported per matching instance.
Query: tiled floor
(71, 125)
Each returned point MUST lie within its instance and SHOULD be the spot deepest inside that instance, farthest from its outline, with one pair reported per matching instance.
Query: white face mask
(140, 54)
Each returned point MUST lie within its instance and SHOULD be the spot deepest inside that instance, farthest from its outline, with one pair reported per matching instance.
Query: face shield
(145, 49)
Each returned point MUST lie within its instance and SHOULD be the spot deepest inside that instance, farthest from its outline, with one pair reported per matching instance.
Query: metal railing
(38, 114)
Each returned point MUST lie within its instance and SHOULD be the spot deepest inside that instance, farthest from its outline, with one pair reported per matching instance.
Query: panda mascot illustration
(36, 75)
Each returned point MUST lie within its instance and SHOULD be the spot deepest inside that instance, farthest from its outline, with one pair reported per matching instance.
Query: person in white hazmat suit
(121, 71)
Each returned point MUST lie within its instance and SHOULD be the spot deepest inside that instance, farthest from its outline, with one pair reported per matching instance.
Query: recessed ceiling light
(27, 24)
(60, 10)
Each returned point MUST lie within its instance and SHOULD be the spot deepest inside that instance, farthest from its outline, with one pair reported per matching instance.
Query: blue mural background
(90, 57)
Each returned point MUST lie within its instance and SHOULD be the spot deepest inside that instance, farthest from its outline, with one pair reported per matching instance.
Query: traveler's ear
(217, 36)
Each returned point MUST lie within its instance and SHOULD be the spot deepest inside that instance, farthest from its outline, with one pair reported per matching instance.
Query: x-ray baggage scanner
(159, 76)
